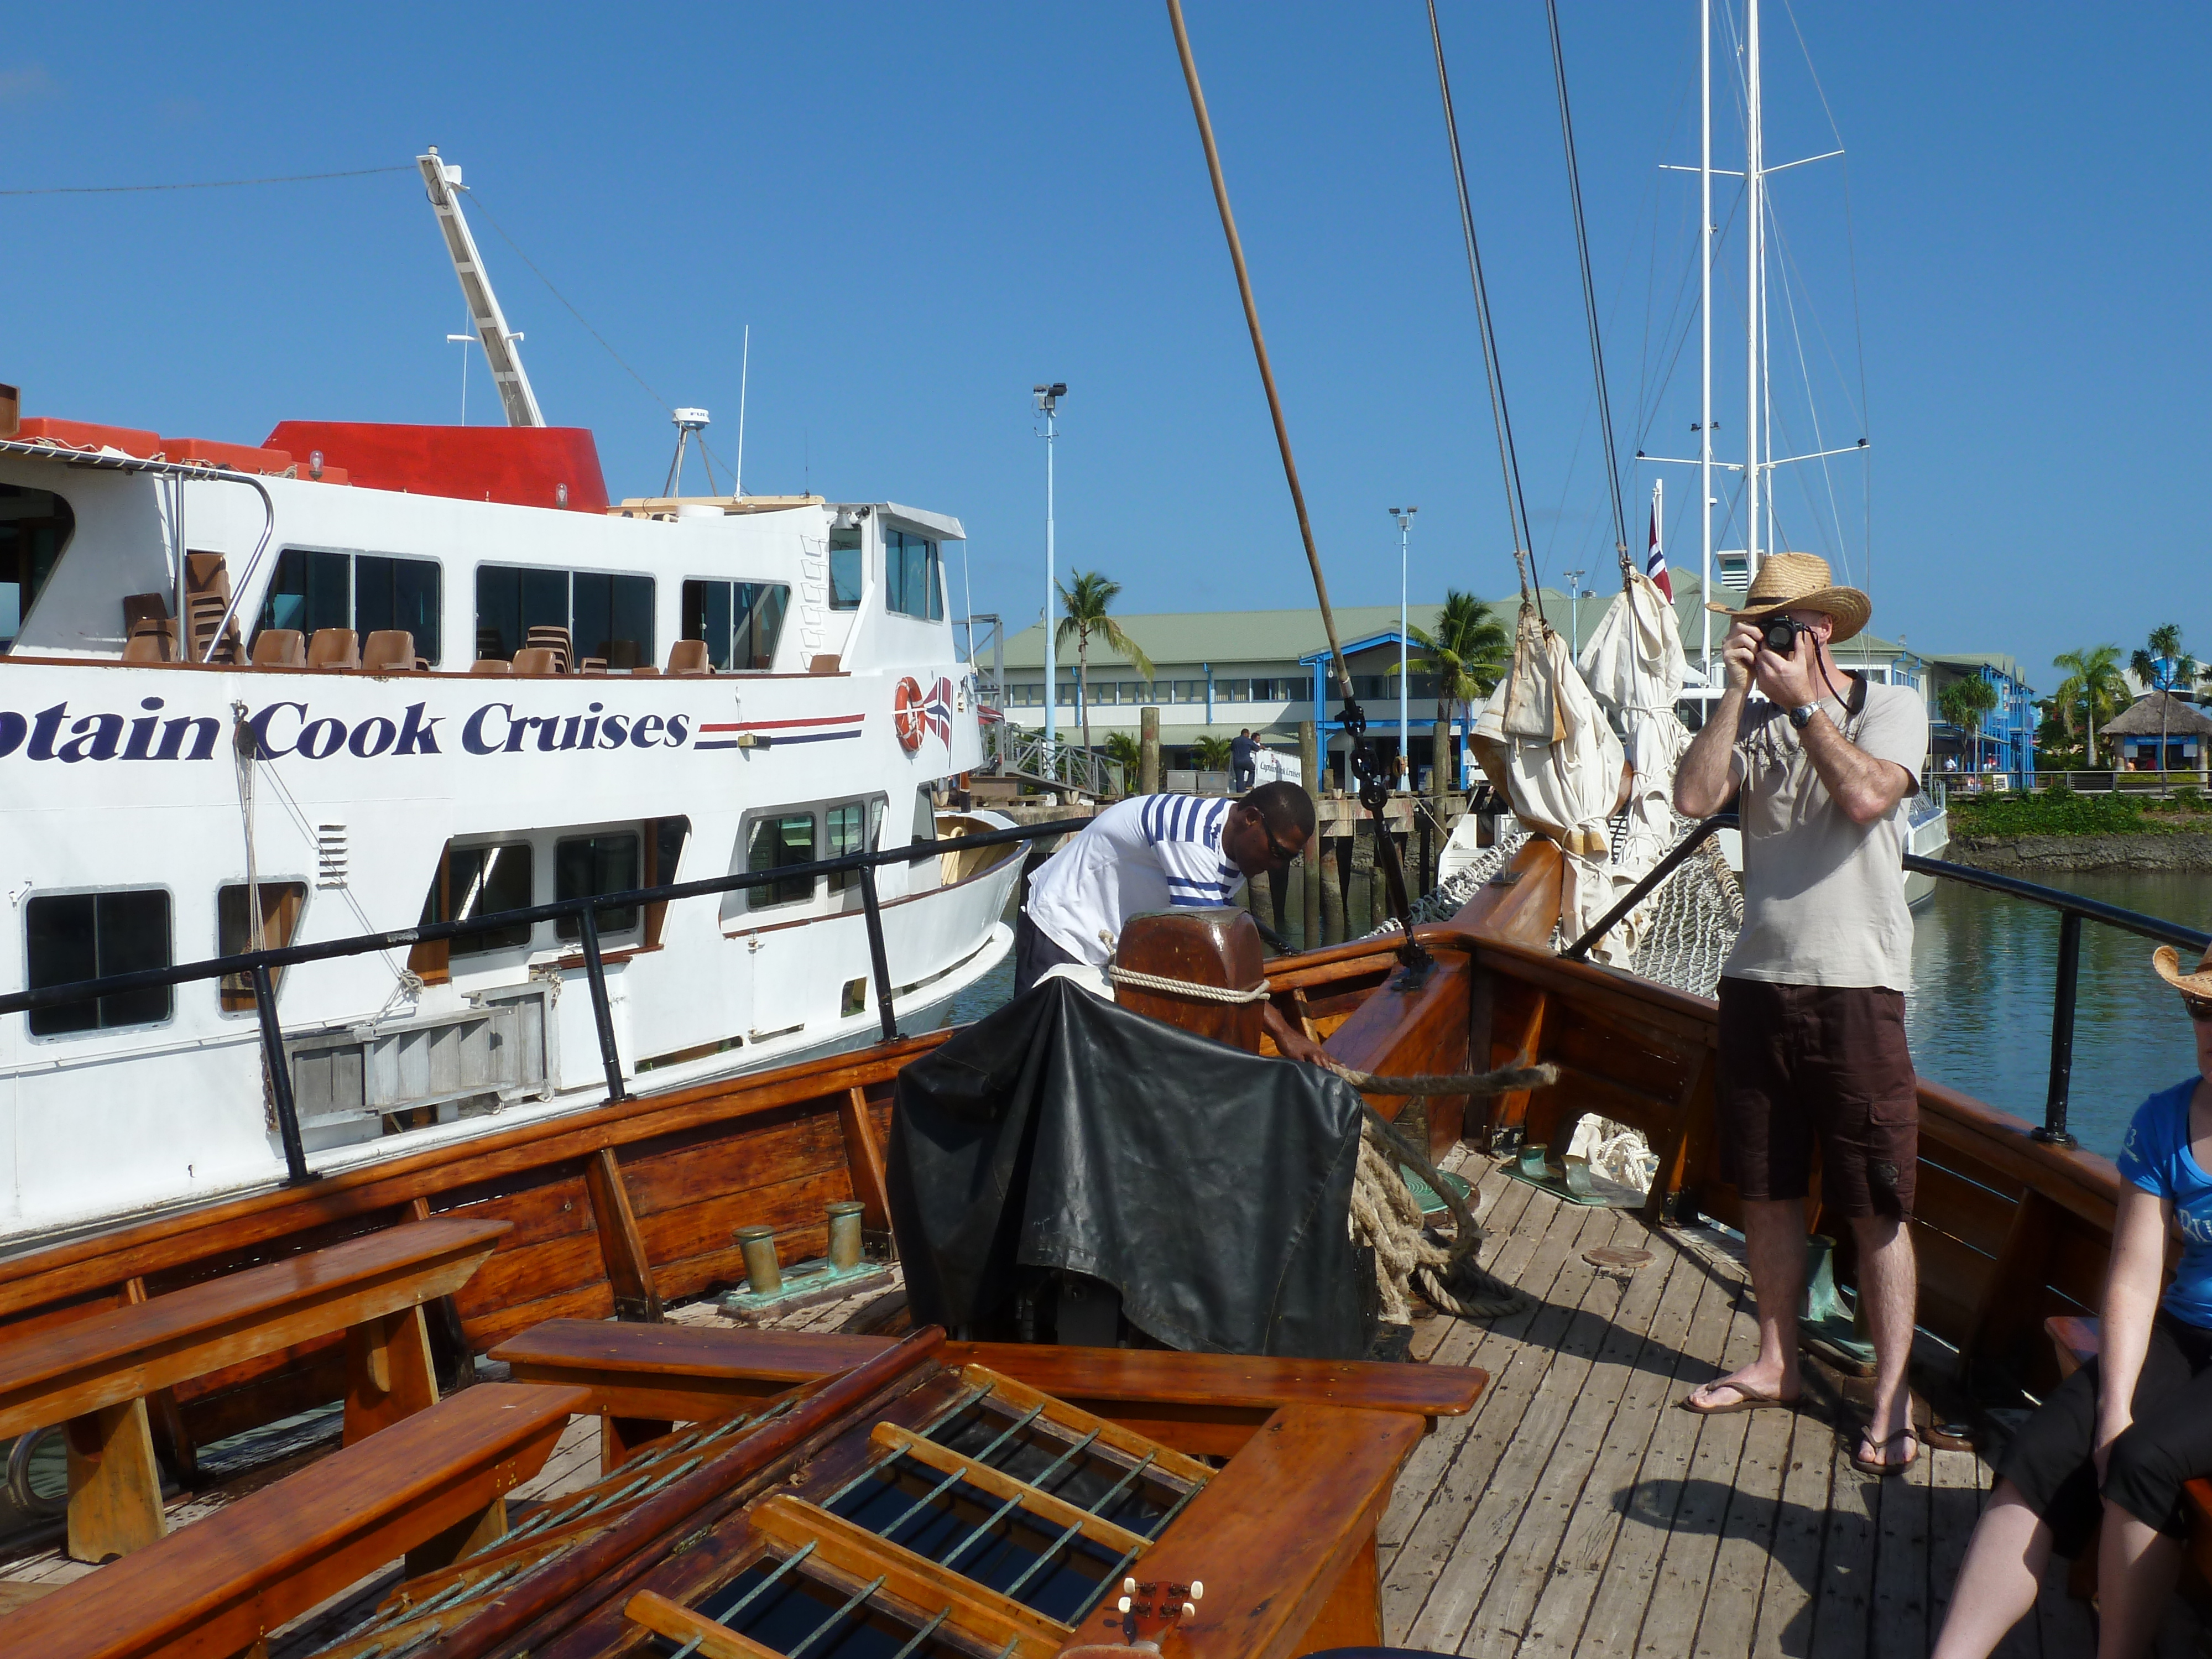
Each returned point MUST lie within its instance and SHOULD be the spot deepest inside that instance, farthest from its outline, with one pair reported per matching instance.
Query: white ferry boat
(379, 674)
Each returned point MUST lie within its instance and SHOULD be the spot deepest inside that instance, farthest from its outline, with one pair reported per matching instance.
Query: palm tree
(2161, 667)
(1212, 753)
(2093, 684)
(1467, 652)
(1963, 704)
(1126, 752)
(1086, 603)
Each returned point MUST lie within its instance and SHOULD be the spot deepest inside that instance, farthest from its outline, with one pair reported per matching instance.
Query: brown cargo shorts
(1798, 1061)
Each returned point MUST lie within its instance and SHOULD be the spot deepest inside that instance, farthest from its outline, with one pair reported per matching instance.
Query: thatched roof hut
(2186, 728)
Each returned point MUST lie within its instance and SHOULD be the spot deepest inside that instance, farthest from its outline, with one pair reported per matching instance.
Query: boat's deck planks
(1576, 1511)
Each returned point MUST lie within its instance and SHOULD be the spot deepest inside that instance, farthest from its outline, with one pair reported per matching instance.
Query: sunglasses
(1280, 856)
(2200, 1008)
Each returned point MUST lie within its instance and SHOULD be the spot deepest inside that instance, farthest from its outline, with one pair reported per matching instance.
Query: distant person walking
(1243, 753)
(1811, 1044)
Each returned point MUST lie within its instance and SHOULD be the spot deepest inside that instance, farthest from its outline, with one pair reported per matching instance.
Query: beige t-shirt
(1823, 898)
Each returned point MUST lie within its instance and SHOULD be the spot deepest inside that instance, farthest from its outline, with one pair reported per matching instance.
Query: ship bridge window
(845, 577)
(79, 936)
(608, 617)
(851, 827)
(739, 622)
(35, 526)
(586, 865)
(281, 902)
(912, 577)
(366, 592)
(777, 841)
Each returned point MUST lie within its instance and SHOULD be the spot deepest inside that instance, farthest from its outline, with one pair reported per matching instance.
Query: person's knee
(2143, 1475)
(1876, 1232)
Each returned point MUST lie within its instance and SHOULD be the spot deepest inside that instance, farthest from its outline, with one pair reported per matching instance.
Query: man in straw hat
(1812, 999)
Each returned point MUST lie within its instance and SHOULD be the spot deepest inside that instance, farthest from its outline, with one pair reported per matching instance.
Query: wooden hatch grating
(989, 1530)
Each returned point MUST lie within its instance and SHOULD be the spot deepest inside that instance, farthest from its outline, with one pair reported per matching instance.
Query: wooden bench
(641, 1378)
(93, 1376)
(2077, 1342)
(432, 1488)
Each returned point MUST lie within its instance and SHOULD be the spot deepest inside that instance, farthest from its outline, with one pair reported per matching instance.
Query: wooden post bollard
(1148, 751)
(1311, 922)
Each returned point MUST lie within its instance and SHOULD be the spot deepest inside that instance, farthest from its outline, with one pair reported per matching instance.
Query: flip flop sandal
(1868, 1465)
(1747, 1400)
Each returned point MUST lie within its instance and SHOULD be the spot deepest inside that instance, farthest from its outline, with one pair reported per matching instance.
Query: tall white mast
(513, 385)
(1754, 307)
(1706, 264)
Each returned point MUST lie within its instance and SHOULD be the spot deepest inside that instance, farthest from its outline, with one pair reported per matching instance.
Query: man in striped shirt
(1156, 853)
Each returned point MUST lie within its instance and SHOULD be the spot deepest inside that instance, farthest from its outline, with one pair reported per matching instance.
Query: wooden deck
(1576, 1511)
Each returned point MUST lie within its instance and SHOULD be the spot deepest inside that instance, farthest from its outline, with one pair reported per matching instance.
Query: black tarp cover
(1209, 1186)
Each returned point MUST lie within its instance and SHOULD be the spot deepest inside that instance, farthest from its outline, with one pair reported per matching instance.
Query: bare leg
(1774, 1231)
(1998, 1581)
(1886, 1285)
(2137, 1568)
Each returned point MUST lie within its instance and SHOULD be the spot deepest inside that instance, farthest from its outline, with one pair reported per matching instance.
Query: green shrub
(2048, 812)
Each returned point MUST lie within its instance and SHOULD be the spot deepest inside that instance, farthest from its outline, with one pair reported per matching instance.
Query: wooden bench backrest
(216, 1587)
(127, 1352)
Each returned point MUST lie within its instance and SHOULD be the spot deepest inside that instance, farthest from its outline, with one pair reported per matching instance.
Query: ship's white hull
(118, 777)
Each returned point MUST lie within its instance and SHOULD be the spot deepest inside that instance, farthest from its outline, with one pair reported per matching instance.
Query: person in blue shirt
(2120, 1437)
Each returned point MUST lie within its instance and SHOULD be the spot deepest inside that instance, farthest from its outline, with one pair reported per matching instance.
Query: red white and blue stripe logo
(820, 728)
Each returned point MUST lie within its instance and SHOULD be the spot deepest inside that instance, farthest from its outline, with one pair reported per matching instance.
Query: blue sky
(922, 210)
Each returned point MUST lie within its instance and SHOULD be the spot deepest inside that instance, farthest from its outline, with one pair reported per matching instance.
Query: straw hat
(1801, 581)
(2167, 961)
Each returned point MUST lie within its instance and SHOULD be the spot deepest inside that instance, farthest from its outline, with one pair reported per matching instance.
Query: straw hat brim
(1850, 607)
(2167, 961)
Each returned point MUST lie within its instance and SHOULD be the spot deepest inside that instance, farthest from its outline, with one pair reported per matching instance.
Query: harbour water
(1979, 1014)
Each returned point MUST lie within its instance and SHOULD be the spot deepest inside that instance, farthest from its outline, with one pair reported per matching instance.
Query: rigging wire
(1590, 293)
(489, 219)
(1516, 505)
(203, 183)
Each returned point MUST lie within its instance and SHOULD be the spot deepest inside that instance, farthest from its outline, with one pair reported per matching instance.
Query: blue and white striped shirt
(1151, 853)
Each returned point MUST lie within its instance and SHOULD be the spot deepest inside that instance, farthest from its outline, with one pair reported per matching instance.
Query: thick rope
(1509, 1080)
(1186, 988)
(1407, 1258)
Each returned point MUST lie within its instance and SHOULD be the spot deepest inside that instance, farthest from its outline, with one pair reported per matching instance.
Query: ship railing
(2073, 910)
(1011, 748)
(260, 965)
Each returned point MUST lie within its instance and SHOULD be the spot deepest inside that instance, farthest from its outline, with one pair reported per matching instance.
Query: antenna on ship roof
(688, 420)
(443, 181)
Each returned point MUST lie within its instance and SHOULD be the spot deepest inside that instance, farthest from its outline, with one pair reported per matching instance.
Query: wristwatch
(1801, 715)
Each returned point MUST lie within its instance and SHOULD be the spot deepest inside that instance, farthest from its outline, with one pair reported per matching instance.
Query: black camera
(1780, 633)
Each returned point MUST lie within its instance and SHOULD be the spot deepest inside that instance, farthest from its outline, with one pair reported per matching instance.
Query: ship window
(281, 902)
(366, 592)
(739, 622)
(483, 881)
(608, 617)
(79, 936)
(911, 584)
(584, 866)
(777, 842)
(34, 527)
(844, 830)
(845, 575)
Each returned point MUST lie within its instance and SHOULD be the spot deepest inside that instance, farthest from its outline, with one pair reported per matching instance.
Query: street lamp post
(1574, 612)
(1048, 403)
(1404, 515)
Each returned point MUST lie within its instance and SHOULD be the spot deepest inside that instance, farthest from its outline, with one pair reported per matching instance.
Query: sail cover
(1210, 1187)
(1635, 667)
(1544, 741)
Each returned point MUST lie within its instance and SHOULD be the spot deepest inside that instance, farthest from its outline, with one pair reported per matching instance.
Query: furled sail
(1635, 667)
(1544, 743)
